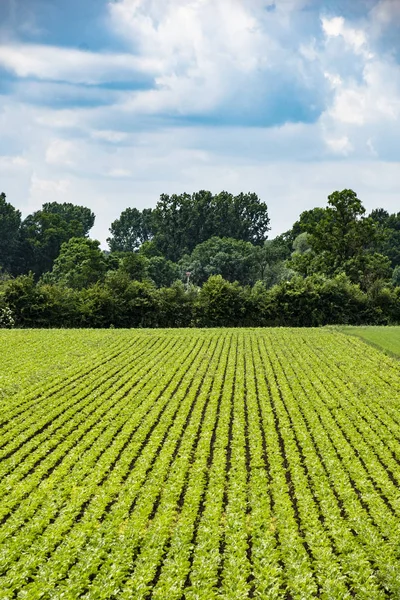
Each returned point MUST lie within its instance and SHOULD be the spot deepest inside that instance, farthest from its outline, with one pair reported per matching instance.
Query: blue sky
(111, 103)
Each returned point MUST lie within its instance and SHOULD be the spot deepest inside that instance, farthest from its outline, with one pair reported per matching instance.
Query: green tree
(388, 227)
(41, 305)
(131, 230)
(233, 259)
(268, 260)
(221, 303)
(301, 244)
(162, 272)
(343, 233)
(181, 222)
(308, 220)
(44, 232)
(176, 305)
(396, 276)
(80, 264)
(134, 265)
(79, 218)
(368, 268)
(10, 222)
(342, 240)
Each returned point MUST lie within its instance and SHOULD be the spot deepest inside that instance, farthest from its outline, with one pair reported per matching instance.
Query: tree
(162, 272)
(388, 229)
(343, 233)
(134, 265)
(268, 260)
(339, 237)
(40, 304)
(308, 219)
(80, 264)
(43, 233)
(181, 222)
(301, 244)
(233, 259)
(221, 303)
(131, 230)
(79, 218)
(176, 305)
(368, 268)
(396, 276)
(10, 222)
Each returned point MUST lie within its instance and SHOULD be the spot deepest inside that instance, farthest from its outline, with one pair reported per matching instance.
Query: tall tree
(131, 230)
(10, 222)
(80, 263)
(43, 233)
(79, 217)
(308, 219)
(233, 259)
(344, 232)
(181, 222)
(388, 226)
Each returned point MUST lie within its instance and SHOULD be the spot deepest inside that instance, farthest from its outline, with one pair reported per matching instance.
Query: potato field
(198, 464)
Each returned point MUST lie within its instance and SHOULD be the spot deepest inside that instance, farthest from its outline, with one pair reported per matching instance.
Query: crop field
(198, 464)
(387, 338)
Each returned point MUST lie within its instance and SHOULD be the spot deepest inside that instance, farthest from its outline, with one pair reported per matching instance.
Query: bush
(6, 318)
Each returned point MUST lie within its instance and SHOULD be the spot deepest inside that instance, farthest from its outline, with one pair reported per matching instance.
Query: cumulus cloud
(220, 58)
(355, 39)
(361, 107)
(280, 98)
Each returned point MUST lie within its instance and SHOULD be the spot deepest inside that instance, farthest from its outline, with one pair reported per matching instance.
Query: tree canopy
(10, 223)
(43, 233)
(180, 222)
(52, 273)
(131, 230)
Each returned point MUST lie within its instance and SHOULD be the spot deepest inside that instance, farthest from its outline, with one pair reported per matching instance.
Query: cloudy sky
(109, 103)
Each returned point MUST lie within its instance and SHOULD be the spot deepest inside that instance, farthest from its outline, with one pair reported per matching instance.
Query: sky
(110, 103)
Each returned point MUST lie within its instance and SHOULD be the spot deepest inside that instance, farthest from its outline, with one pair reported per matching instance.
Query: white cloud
(119, 173)
(350, 106)
(310, 50)
(109, 136)
(12, 162)
(371, 147)
(334, 79)
(354, 39)
(48, 187)
(60, 152)
(75, 66)
(377, 99)
(204, 47)
(341, 145)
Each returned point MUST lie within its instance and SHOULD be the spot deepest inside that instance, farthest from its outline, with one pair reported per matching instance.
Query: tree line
(200, 260)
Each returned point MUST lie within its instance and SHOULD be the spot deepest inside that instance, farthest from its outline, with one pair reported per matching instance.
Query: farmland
(198, 464)
(386, 338)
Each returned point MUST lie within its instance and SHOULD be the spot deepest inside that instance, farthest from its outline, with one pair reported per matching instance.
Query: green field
(198, 464)
(387, 338)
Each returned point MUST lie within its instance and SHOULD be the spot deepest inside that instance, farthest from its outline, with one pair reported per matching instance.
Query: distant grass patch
(385, 338)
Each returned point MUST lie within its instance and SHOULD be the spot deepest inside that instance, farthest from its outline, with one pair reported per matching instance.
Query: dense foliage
(200, 259)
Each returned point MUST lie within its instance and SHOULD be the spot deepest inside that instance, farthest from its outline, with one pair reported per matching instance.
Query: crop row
(223, 464)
